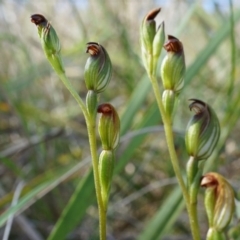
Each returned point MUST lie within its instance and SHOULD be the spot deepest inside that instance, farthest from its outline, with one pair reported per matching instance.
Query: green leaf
(48, 183)
(75, 210)
(222, 33)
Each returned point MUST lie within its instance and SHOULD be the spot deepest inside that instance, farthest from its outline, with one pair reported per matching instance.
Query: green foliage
(44, 138)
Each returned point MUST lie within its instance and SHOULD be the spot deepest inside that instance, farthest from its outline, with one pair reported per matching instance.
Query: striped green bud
(151, 40)
(50, 41)
(109, 126)
(203, 130)
(219, 200)
(158, 42)
(91, 103)
(173, 65)
(105, 168)
(98, 68)
(169, 99)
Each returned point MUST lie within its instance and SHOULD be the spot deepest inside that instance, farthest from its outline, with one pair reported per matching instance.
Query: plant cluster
(202, 133)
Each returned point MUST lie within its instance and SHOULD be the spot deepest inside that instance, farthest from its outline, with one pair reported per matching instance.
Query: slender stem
(174, 159)
(93, 148)
(71, 89)
(194, 172)
(90, 121)
(169, 137)
(193, 218)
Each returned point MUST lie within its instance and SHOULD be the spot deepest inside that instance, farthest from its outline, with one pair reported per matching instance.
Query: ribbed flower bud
(219, 200)
(151, 40)
(158, 41)
(203, 130)
(105, 168)
(91, 103)
(173, 65)
(50, 41)
(169, 99)
(98, 68)
(109, 126)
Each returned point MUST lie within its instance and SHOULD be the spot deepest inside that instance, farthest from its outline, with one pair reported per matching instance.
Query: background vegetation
(43, 140)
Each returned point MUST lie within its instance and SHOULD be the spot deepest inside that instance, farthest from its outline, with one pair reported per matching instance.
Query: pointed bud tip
(173, 45)
(152, 14)
(38, 19)
(162, 24)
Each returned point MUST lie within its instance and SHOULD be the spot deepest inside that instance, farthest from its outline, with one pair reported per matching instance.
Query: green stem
(90, 121)
(174, 159)
(193, 218)
(93, 148)
(193, 188)
(169, 137)
(71, 89)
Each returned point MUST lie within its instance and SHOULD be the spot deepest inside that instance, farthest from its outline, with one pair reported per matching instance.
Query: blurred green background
(45, 162)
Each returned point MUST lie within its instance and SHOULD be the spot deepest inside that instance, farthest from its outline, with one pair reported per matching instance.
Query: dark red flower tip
(38, 19)
(93, 48)
(152, 14)
(173, 45)
(105, 108)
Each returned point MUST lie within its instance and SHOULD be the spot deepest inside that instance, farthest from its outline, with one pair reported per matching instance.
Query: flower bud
(109, 126)
(148, 30)
(173, 65)
(219, 200)
(169, 99)
(50, 41)
(203, 130)
(105, 168)
(98, 68)
(158, 42)
(91, 103)
(151, 40)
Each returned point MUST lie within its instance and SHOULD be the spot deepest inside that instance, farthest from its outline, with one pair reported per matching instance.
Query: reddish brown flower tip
(197, 106)
(152, 14)
(38, 19)
(93, 48)
(209, 181)
(203, 130)
(105, 108)
(109, 126)
(173, 45)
